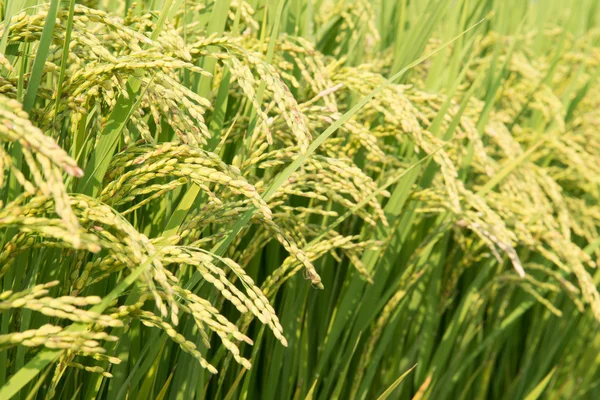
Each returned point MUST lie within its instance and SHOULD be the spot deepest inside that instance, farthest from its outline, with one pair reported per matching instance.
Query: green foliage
(296, 199)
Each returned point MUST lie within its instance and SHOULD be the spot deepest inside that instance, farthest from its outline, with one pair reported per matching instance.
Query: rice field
(299, 199)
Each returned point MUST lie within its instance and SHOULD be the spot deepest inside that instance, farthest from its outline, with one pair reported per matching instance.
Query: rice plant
(274, 199)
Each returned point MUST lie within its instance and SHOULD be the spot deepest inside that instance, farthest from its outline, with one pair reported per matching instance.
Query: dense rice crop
(299, 199)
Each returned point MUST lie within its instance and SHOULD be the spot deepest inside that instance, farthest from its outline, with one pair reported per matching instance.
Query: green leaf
(394, 385)
(41, 57)
(539, 389)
